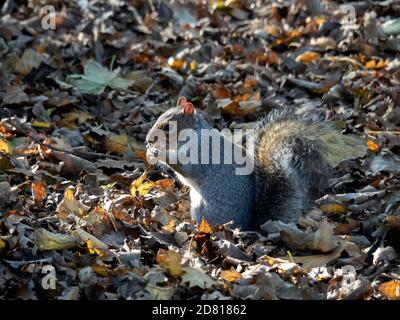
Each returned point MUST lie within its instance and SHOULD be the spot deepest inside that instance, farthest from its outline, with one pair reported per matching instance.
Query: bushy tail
(336, 147)
(294, 156)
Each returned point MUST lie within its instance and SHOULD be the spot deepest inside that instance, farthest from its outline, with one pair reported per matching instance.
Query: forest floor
(78, 92)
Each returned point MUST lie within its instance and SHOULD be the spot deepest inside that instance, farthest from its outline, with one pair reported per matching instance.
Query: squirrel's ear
(188, 109)
(182, 101)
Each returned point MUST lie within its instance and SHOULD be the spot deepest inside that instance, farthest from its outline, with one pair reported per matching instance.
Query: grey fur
(291, 170)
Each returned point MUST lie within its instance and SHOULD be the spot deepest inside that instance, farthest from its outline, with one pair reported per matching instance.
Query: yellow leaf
(170, 226)
(272, 30)
(333, 208)
(39, 191)
(193, 65)
(308, 56)
(205, 227)
(177, 64)
(117, 143)
(92, 249)
(319, 21)
(140, 186)
(231, 275)
(85, 237)
(170, 260)
(373, 146)
(373, 64)
(390, 289)
(2, 244)
(5, 146)
(100, 269)
(41, 124)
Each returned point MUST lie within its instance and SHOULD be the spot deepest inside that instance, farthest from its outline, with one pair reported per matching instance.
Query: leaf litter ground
(77, 101)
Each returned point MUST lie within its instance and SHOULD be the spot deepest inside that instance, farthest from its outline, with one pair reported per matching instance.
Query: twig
(377, 132)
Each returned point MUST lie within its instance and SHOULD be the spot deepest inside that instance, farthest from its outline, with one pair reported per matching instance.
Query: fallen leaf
(390, 289)
(333, 208)
(373, 146)
(85, 237)
(231, 275)
(205, 227)
(92, 249)
(5, 146)
(39, 191)
(2, 244)
(117, 143)
(160, 293)
(15, 95)
(96, 78)
(46, 240)
(140, 186)
(374, 64)
(70, 205)
(170, 260)
(165, 183)
(308, 56)
(197, 278)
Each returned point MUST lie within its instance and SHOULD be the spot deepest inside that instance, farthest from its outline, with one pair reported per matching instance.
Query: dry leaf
(373, 64)
(46, 240)
(5, 146)
(197, 278)
(346, 228)
(140, 186)
(177, 64)
(2, 244)
(165, 183)
(231, 275)
(170, 260)
(100, 269)
(373, 146)
(334, 208)
(390, 289)
(117, 143)
(205, 227)
(92, 249)
(69, 205)
(39, 191)
(85, 237)
(308, 56)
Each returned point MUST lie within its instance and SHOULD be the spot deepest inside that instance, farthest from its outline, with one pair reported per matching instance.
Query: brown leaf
(373, 146)
(165, 183)
(390, 289)
(308, 56)
(117, 143)
(346, 228)
(334, 208)
(69, 205)
(39, 191)
(170, 260)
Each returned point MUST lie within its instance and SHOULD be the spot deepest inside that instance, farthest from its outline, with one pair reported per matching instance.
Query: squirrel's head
(162, 139)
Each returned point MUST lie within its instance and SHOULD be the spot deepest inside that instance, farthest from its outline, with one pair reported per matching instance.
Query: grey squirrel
(293, 159)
